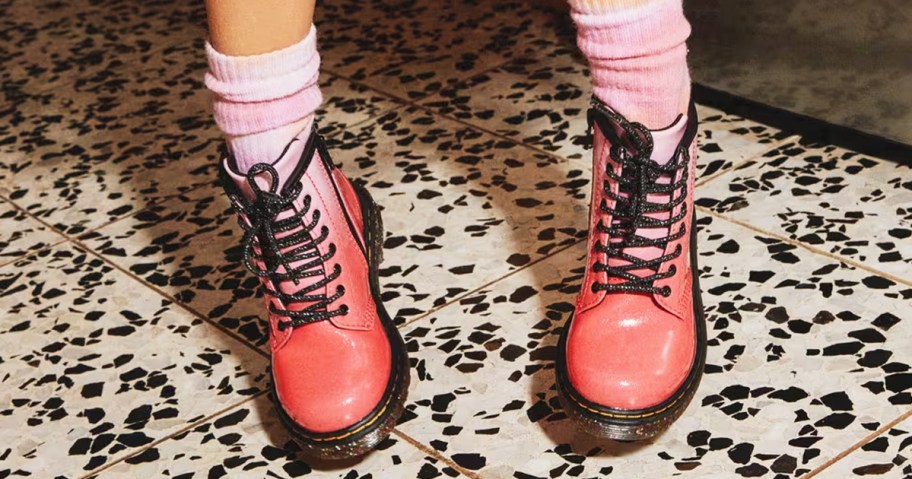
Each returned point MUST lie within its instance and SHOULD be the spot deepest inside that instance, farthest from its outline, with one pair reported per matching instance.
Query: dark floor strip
(811, 129)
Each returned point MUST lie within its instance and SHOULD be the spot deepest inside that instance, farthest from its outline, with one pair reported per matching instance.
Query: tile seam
(860, 443)
(490, 283)
(182, 430)
(433, 453)
(812, 249)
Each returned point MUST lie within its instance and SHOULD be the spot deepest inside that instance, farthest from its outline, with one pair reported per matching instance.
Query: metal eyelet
(666, 291)
(344, 309)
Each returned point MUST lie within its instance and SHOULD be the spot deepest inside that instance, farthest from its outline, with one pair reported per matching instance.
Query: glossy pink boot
(339, 367)
(631, 357)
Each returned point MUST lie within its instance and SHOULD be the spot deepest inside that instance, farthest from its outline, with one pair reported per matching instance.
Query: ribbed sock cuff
(637, 58)
(263, 92)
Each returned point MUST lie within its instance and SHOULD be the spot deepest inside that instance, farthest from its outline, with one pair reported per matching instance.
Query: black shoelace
(261, 244)
(638, 178)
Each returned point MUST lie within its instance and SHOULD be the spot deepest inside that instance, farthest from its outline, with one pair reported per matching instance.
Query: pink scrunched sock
(263, 101)
(637, 56)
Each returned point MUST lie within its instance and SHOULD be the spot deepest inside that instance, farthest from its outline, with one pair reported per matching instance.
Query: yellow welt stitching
(626, 416)
(379, 414)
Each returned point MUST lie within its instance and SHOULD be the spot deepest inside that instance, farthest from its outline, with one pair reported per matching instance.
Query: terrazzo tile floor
(131, 343)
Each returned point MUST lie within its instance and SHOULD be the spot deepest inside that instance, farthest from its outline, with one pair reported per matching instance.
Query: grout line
(391, 96)
(870, 437)
(29, 254)
(467, 294)
(414, 101)
(431, 452)
(735, 166)
(167, 296)
(36, 252)
(805, 246)
(156, 202)
(182, 430)
(81, 245)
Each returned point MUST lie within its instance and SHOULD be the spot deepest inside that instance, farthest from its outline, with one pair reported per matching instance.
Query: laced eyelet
(593, 288)
(263, 219)
(630, 187)
(344, 309)
(340, 290)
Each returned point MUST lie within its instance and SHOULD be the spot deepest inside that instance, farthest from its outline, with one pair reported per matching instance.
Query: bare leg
(245, 27)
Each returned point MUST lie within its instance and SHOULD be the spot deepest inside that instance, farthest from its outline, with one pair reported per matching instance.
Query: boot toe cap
(629, 364)
(334, 381)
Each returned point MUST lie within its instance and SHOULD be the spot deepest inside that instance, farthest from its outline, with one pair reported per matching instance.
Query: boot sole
(636, 424)
(366, 434)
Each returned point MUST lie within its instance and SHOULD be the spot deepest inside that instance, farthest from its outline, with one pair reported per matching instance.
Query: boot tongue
(667, 140)
(665, 143)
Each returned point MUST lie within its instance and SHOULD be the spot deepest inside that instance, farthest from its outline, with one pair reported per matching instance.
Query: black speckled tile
(94, 365)
(249, 442)
(837, 200)
(413, 48)
(805, 355)
(22, 234)
(543, 102)
(81, 160)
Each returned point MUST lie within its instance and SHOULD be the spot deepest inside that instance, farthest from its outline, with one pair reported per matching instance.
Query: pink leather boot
(632, 355)
(339, 366)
